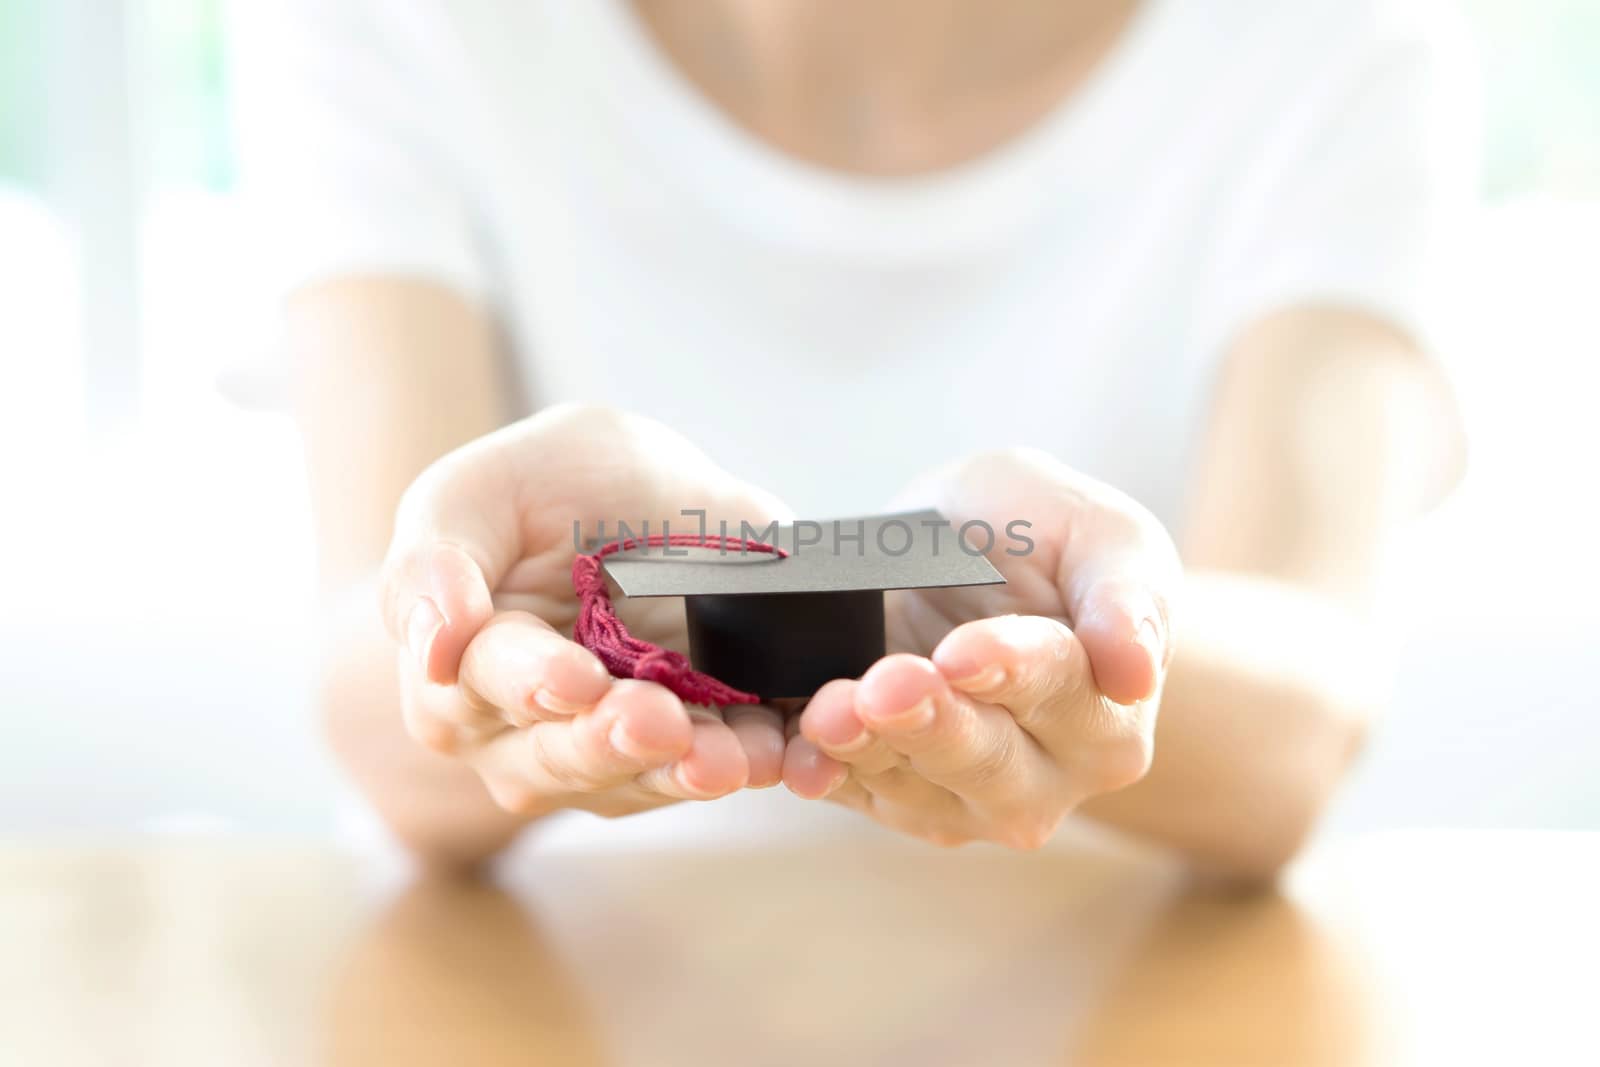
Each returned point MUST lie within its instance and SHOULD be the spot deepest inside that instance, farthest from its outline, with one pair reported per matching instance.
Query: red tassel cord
(600, 631)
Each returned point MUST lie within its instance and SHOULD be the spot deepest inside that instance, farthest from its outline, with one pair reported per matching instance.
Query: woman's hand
(477, 592)
(1004, 707)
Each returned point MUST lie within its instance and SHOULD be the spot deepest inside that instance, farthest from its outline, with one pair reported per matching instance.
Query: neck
(886, 86)
(902, 49)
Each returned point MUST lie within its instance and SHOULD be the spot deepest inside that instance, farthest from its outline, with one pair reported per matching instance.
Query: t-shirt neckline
(782, 198)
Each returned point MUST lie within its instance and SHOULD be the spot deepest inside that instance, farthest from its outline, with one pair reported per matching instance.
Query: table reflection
(1233, 978)
(456, 971)
(839, 957)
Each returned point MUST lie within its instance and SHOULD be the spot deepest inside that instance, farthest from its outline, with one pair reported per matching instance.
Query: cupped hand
(476, 590)
(1003, 708)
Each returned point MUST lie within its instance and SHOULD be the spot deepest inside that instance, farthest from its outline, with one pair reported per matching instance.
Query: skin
(499, 719)
(1010, 705)
(891, 87)
(1320, 445)
(477, 587)
(1001, 712)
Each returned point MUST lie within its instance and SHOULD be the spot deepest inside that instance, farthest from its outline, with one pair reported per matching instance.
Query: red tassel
(600, 631)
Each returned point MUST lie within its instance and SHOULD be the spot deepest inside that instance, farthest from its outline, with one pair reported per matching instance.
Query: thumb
(1123, 622)
(456, 535)
(1121, 579)
(435, 600)
(1114, 566)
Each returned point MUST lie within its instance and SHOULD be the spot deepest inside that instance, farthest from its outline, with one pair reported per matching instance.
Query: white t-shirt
(828, 336)
(825, 335)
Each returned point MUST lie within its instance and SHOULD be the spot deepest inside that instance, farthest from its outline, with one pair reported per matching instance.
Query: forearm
(437, 807)
(389, 375)
(1329, 431)
(1268, 700)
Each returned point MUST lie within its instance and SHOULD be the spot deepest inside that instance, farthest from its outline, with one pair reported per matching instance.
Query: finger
(434, 602)
(830, 722)
(714, 766)
(906, 788)
(1032, 665)
(912, 805)
(1119, 576)
(518, 665)
(853, 795)
(636, 728)
(975, 750)
(1040, 672)
(760, 733)
(1124, 630)
(456, 534)
(810, 773)
(1113, 564)
(440, 717)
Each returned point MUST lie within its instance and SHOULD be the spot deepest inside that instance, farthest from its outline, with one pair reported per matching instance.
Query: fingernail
(556, 706)
(1148, 637)
(986, 680)
(918, 716)
(849, 748)
(855, 735)
(680, 774)
(422, 626)
(625, 744)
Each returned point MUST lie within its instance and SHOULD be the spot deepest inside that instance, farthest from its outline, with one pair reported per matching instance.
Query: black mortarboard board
(782, 627)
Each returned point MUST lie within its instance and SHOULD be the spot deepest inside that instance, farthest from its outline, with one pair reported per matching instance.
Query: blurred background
(155, 552)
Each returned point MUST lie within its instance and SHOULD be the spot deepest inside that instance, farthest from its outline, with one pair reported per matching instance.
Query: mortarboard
(773, 616)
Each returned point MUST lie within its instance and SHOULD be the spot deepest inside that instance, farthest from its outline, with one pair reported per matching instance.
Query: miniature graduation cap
(769, 619)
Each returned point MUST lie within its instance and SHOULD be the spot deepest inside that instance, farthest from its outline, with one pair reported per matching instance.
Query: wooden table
(1404, 948)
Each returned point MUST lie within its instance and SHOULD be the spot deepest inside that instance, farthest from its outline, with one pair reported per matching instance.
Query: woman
(855, 252)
